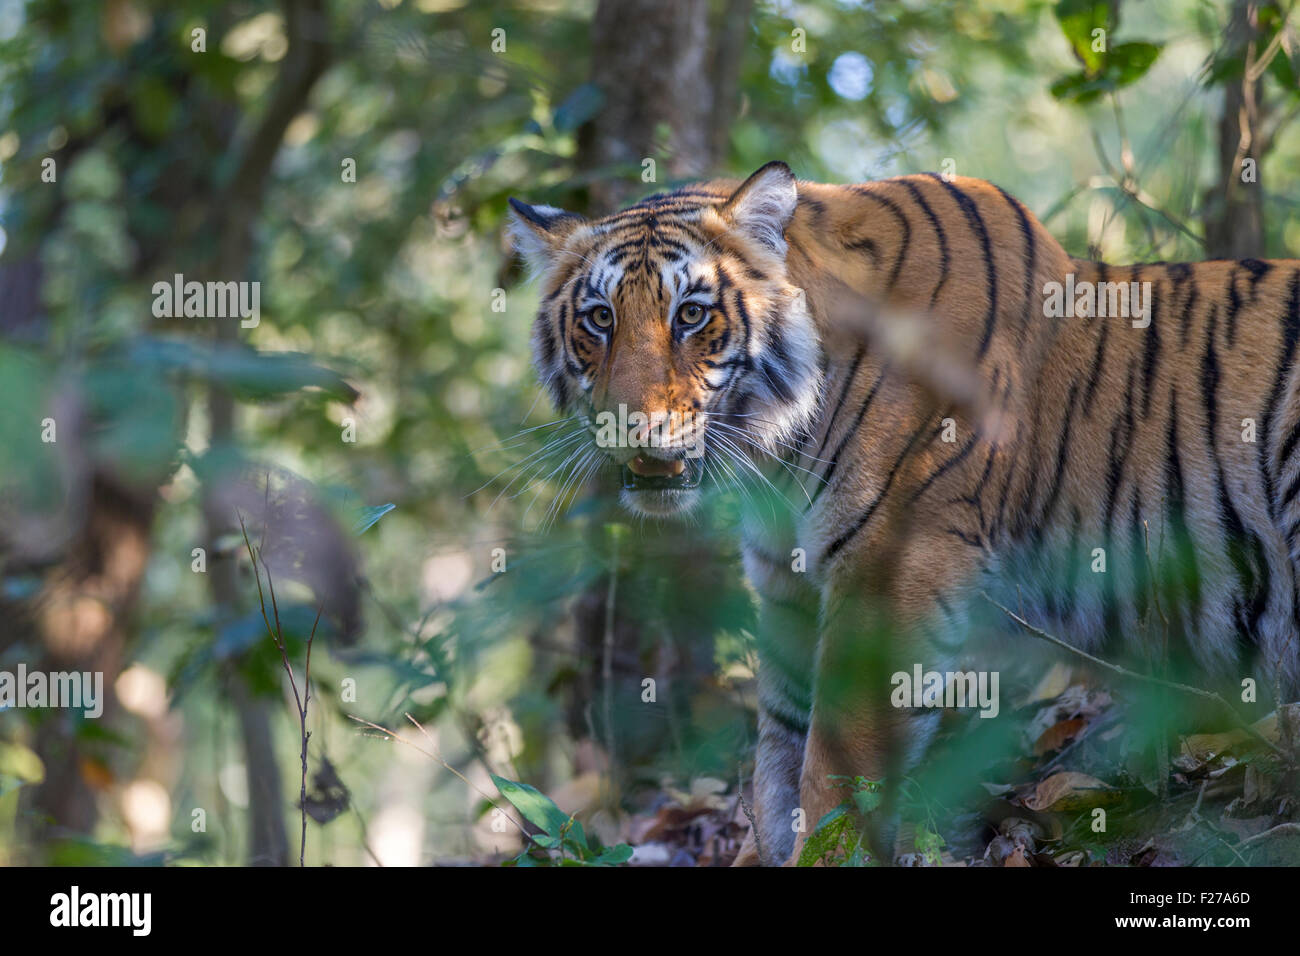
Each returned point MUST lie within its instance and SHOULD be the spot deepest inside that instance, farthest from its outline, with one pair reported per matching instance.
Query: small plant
(929, 844)
(836, 840)
(562, 842)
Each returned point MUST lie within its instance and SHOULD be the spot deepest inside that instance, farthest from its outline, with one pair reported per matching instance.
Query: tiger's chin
(663, 503)
(661, 489)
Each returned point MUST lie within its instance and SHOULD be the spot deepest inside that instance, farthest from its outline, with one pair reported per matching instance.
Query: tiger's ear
(761, 208)
(536, 232)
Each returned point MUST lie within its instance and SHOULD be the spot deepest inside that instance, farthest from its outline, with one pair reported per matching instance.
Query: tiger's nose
(642, 430)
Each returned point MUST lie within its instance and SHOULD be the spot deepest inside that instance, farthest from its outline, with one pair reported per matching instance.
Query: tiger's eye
(692, 313)
(602, 317)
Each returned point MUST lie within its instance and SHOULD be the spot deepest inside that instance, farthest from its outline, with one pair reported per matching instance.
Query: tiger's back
(1165, 439)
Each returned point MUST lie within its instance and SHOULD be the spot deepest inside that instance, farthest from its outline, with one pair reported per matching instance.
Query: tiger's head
(672, 331)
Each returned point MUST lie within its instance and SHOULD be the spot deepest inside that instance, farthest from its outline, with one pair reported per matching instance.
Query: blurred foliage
(388, 301)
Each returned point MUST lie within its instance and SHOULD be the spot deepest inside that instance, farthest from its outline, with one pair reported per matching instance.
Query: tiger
(1165, 435)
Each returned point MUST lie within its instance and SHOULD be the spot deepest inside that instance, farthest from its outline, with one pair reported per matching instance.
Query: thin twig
(300, 700)
(436, 756)
(749, 812)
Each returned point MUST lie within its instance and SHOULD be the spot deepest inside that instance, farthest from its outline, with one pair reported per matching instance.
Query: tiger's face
(672, 332)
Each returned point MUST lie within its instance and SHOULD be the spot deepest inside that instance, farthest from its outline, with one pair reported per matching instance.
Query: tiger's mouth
(646, 473)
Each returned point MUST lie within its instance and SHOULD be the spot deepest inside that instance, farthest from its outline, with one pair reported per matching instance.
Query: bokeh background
(354, 158)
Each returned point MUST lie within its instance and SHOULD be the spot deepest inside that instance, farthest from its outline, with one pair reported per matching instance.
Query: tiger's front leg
(880, 616)
(787, 638)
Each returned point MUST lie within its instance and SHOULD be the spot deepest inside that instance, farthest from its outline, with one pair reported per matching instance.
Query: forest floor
(1067, 783)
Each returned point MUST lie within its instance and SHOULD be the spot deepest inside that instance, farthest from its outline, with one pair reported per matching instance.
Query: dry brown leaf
(1016, 858)
(1198, 750)
(1069, 790)
(1076, 701)
(1279, 846)
(670, 819)
(1050, 685)
(1058, 735)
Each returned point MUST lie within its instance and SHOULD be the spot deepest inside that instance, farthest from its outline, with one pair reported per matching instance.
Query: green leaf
(248, 372)
(576, 838)
(1078, 19)
(859, 857)
(1078, 87)
(1123, 65)
(928, 843)
(826, 836)
(867, 800)
(614, 855)
(535, 806)
(1129, 62)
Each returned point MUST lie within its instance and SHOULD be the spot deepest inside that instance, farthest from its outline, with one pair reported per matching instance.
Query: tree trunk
(669, 83)
(90, 560)
(1234, 220)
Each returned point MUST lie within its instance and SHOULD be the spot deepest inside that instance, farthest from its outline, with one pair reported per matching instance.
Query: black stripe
(839, 404)
(853, 430)
(1234, 305)
(1062, 454)
(1138, 546)
(976, 222)
(1005, 495)
(1290, 333)
(1030, 489)
(858, 525)
(865, 245)
(1031, 249)
(1150, 352)
(817, 206)
(1230, 521)
(1098, 361)
(1257, 269)
(945, 257)
(1180, 273)
(789, 721)
(965, 537)
(1103, 279)
(897, 212)
(1185, 583)
(946, 466)
(1121, 443)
